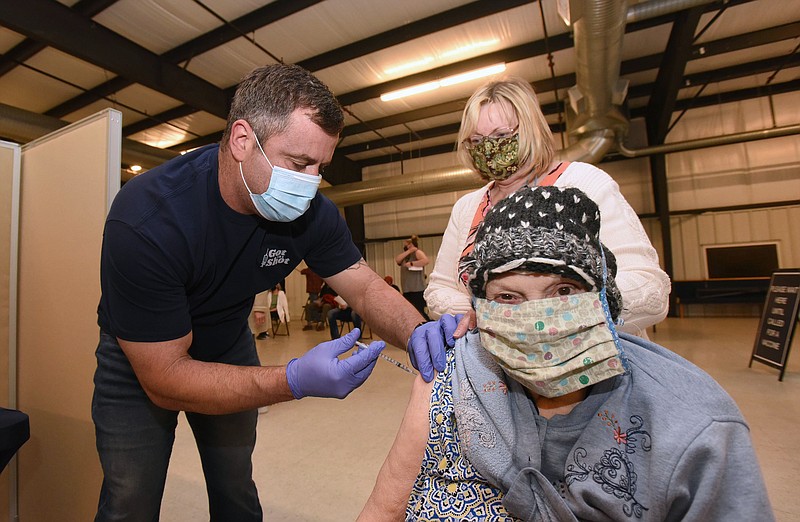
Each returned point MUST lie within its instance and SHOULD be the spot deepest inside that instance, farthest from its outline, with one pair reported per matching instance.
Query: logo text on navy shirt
(274, 257)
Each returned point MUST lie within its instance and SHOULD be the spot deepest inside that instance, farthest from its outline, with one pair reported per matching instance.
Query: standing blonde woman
(505, 138)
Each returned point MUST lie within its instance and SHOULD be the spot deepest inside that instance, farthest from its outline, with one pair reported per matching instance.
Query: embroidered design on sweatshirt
(473, 427)
(615, 471)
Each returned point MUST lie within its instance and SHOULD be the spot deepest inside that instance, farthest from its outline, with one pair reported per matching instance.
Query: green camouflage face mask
(496, 158)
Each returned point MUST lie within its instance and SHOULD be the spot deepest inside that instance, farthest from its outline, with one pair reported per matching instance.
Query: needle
(393, 361)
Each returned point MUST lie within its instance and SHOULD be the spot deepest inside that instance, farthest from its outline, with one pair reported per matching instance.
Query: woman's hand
(466, 324)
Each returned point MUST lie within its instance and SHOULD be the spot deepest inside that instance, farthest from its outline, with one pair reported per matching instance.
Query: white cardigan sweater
(644, 286)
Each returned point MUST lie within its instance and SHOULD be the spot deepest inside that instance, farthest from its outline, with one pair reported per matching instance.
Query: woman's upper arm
(644, 285)
(443, 294)
(402, 465)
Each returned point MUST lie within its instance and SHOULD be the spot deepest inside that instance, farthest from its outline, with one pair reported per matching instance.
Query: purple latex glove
(427, 343)
(320, 373)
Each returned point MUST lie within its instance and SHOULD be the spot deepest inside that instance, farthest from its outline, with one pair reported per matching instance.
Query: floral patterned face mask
(496, 158)
(552, 346)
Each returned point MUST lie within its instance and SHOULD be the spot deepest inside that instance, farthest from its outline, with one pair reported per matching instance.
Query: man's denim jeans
(135, 437)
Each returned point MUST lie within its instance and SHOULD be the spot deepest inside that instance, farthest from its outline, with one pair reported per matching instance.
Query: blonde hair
(536, 144)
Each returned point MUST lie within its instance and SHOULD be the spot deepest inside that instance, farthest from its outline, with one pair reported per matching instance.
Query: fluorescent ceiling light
(469, 47)
(428, 59)
(445, 82)
(471, 75)
(408, 91)
(409, 65)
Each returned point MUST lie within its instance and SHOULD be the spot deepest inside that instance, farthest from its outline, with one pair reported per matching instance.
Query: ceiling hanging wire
(251, 39)
(365, 124)
(413, 136)
(688, 107)
(551, 64)
(381, 136)
(709, 24)
(772, 76)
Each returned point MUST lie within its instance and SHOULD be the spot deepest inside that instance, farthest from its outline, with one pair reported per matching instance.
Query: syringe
(387, 358)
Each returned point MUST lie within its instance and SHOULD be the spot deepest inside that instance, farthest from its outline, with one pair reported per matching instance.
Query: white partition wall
(68, 180)
(9, 227)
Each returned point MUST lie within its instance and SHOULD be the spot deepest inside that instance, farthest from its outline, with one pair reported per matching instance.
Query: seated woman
(545, 413)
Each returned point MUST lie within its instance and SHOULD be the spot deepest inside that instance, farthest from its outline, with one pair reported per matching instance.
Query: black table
(14, 432)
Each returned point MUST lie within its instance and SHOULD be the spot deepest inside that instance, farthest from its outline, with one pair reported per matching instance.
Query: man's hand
(427, 343)
(320, 373)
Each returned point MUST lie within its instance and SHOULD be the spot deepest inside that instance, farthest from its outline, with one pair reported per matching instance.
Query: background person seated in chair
(313, 287)
(325, 302)
(279, 305)
(343, 313)
(258, 316)
(544, 412)
(390, 281)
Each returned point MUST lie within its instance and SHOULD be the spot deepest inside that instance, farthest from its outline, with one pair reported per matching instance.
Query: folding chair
(342, 323)
(366, 332)
(276, 324)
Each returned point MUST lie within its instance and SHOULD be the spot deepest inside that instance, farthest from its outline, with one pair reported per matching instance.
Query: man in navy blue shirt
(186, 247)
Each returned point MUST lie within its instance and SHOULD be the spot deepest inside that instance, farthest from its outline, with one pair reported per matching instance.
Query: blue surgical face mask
(288, 195)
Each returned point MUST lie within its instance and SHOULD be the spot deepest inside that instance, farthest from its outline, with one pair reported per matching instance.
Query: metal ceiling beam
(641, 91)
(520, 52)
(432, 24)
(689, 103)
(247, 23)
(425, 151)
(744, 41)
(563, 81)
(271, 13)
(406, 155)
(197, 142)
(214, 38)
(58, 26)
(29, 47)
(349, 52)
(433, 132)
(628, 67)
(163, 117)
(400, 139)
(726, 73)
(728, 97)
(632, 66)
(744, 69)
(659, 113)
(405, 117)
(670, 75)
(90, 96)
(640, 112)
(512, 54)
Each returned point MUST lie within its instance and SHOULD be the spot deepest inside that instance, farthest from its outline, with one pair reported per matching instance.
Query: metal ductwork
(594, 120)
(714, 141)
(647, 10)
(398, 187)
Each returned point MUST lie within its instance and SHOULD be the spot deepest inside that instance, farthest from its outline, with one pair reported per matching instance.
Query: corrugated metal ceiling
(358, 47)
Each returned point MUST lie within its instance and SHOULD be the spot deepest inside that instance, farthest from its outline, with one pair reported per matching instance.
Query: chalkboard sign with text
(778, 320)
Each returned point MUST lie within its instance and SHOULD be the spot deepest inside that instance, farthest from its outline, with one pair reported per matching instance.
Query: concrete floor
(316, 459)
